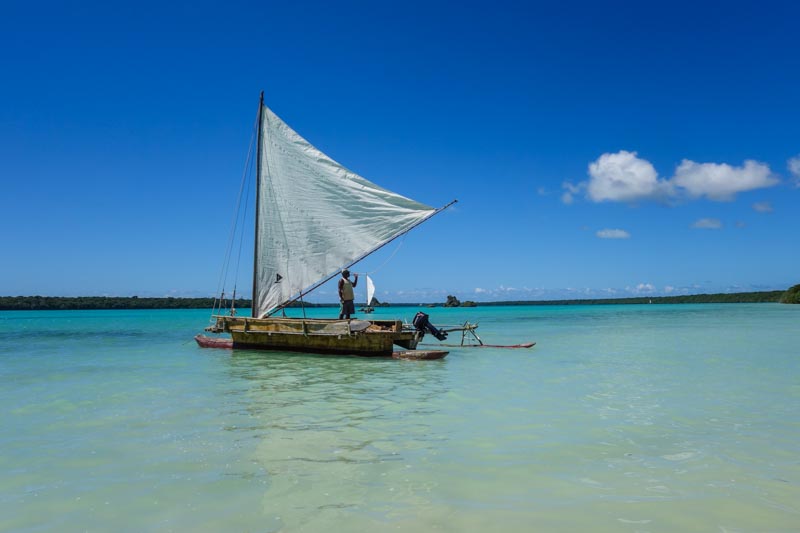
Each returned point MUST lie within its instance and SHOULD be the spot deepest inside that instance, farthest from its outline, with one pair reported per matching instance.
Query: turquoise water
(622, 418)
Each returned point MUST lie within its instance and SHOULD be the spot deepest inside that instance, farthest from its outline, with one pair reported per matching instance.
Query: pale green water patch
(622, 418)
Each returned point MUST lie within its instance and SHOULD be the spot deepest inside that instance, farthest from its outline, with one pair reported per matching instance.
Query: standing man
(346, 295)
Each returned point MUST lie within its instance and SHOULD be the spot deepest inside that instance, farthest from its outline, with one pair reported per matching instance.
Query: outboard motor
(424, 325)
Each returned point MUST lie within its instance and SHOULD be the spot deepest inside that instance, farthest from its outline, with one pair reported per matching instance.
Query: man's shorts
(347, 308)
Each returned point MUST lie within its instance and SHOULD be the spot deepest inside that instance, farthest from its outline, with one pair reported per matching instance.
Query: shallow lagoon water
(622, 418)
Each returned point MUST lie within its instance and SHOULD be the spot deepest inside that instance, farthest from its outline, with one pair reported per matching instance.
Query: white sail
(370, 290)
(315, 216)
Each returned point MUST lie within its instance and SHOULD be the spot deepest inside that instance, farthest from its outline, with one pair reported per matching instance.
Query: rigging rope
(397, 248)
(235, 223)
(241, 239)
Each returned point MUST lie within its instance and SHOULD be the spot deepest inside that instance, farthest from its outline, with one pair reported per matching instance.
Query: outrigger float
(470, 339)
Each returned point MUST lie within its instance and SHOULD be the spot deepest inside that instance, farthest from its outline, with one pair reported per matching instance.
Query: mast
(253, 311)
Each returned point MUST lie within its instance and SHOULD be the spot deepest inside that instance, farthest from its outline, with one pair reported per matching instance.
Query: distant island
(44, 303)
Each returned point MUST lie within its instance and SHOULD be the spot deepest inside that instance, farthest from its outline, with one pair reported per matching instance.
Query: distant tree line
(21, 303)
(28, 303)
(792, 296)
(719, 298)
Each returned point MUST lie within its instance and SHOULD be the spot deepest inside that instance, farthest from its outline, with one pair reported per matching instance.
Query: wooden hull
(412, 355)
(214, 342)
(341, 337)
(419, 355)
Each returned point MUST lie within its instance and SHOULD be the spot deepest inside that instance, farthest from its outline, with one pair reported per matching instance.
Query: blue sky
(596, 149)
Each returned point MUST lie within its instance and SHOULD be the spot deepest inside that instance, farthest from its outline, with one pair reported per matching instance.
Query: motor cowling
(422, 323)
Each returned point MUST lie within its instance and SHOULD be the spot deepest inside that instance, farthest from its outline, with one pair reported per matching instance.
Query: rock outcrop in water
(452, 301)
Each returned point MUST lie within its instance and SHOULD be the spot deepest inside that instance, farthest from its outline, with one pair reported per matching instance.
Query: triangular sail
(370, 290)
(315, 216)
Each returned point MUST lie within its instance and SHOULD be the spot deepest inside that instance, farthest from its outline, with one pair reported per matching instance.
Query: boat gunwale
(298, 319)
(395, 334)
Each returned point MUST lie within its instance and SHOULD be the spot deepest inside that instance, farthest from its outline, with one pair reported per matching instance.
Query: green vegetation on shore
(21, 303)
(719, 298)
(792, 296)
(40, 303)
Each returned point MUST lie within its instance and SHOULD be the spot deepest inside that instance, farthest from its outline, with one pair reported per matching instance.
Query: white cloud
(719, 181)
(794, 167)
(763, 207)
(670, 290)
(623, 177)
(478, 290)
(503, 293)
(613, 234)
(571, 190)
(707, 223)
(642, 288)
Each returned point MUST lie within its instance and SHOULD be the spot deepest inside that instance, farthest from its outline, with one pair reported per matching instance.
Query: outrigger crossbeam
(470, 339)
(468, 335)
